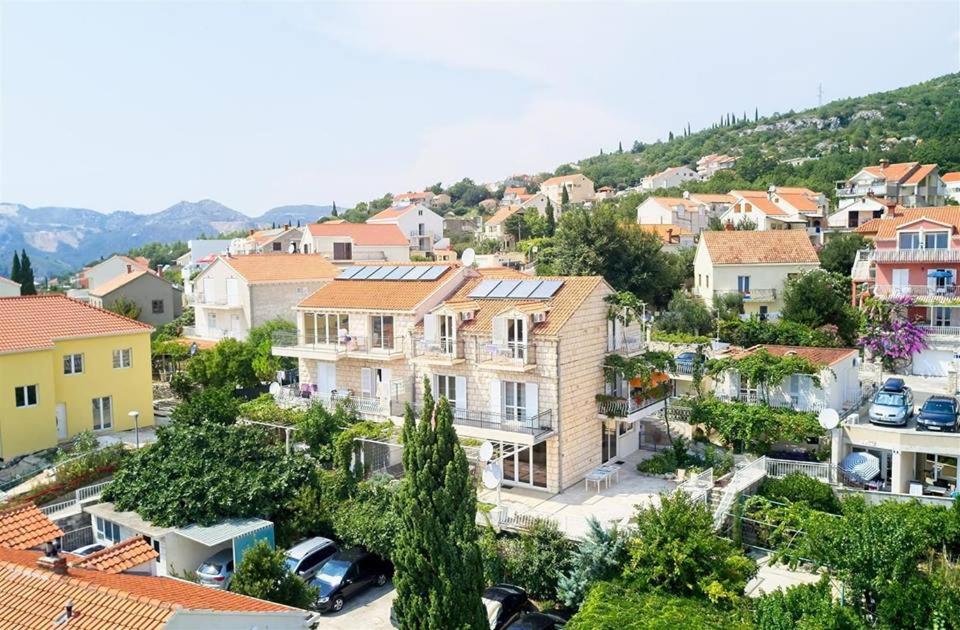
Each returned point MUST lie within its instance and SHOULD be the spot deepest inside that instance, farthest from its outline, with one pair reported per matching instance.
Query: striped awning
(864, 466)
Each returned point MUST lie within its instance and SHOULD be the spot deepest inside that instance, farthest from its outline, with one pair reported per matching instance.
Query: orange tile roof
(803, 199)
(902, 172)
(389, 213)
(667, 232)
(278, 267)
(669, 171)
(118, 558)
(760, 201)
(713, 198)
(25, 526)
(412, 195)
(751, 247)
(951, 177)
(516, 191)
(503, 214)
(559, 179)
(817, 356)
(673, 202)
(886, 227)
(32, 597)
(34, 322)
(920, 174)
(378, 295)
(562, 305)
(115, 283)
(361, 233)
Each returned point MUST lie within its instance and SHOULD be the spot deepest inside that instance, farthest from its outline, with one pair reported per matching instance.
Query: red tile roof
(817, 356)
(34, 322)
(750, 247)
(361, 233)
(920, 174)
(560, 179)
(760, 201)
(886, 227)
(503, 214)
(118, 558)
(280, 267)
(115, 283)
(951, 177)
(25, 526)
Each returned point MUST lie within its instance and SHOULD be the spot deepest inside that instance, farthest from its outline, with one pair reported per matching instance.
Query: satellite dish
(829, 418)
(469, 256)
(492, 476)
(274, 388)
(292, 248)
(486, 451)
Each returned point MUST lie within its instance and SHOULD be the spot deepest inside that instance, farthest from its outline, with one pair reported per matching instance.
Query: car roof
(499, 592)
(894, 385)
(299, 550)
(941, 398)
(351, 555)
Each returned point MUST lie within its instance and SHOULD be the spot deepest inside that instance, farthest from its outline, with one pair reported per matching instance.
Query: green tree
(15, 272)
(686, 314)
(805, 607)
(765, 370)
(840, 251)
(27, 283)
(439, 574)
(230, 363)
(599, 557)
(123, 306)
(263, 573)
(816, 298)
(215, 405)
(551, 219)
(564, 198)
(333, 211)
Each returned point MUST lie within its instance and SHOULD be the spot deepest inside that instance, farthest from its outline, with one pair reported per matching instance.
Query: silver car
(217, 570)
(306, 557)
(892, 407)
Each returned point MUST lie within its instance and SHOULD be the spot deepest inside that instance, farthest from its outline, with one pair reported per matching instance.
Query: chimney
(728, 226)
(884, 163)
(51, 560)
(770, 192)
(686, 194)
(669, 235)
(129, 268)
(251, 232)
(286, 226)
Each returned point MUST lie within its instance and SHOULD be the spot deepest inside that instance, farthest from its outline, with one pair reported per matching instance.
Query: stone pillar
(839, 447)
(904, 470)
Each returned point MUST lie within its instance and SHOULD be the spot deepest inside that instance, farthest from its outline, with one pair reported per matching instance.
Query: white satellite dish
(274, 388)
(292, 248)
(492, 476)
(829, 418)
(486, 451)
(469, 256)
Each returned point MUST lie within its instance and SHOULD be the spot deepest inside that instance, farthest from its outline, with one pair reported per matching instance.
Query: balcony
(915, 255)
(306, 394)
(421, 241)
(289, 344)
(751, 295)
(877, 189)
(213, 334)
(445, 351)
(629, 341)
(923, 294)
(513, 356)
(635, 406)
(216, 301)
(490, 425)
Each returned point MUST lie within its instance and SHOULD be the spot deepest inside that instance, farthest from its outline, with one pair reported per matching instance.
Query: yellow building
(67, 367)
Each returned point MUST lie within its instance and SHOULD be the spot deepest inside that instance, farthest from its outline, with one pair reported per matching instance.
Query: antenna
(828, 418)
(292, 248)
(469, 256)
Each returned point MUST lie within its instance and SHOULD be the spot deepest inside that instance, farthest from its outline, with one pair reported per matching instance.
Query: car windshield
(939, 406)
(209, 568)
(291, 564)
(889, 399)
(333, 571)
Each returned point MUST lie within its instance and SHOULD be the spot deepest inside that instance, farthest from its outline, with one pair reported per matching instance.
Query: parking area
(369, 610)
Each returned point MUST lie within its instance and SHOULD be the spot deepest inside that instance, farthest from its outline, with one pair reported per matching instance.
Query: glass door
(608, 440)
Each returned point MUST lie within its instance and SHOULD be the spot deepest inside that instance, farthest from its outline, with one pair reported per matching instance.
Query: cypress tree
(670, 137)
(620, 147)
(551, 219)
(564, 198)
(756, 114)
(439, 576)
(333, 213)
(15, 270)
(27, 286)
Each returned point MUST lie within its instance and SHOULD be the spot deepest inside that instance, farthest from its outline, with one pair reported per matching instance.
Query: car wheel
(337, 604)
(381, 579)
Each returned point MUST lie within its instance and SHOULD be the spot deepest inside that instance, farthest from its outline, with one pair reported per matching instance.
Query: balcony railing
(752, 295)
(344, 346)
(204, 299)
(936, 294)
(306, 394)
(942, 331)
(510, 354)
(624, 407)
(536, 425)
(881, 189)
(442, 348)
(915, 255)
(213, 333)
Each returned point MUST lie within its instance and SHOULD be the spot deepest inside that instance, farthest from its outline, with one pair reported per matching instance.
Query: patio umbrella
(940, 273)
(861, 465)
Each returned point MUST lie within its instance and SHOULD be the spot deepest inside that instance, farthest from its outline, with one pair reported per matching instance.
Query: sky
(138, 105)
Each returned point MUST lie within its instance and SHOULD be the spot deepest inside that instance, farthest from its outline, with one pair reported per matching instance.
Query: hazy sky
(137, 105)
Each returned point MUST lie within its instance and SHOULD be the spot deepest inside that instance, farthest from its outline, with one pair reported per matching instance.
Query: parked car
(503, 603)
(346, 574)
(86, 550)
(551, 620)
(685, 361)
(305, 558)
(217, 570)
(938, 413)
(893, 404)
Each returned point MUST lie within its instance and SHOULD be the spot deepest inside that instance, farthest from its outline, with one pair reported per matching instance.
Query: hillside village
(692, 379)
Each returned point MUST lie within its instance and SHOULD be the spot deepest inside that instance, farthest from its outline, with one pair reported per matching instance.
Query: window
(102, 413)
(942, 316)
(699, 280)
(935, 240)
(517, 337)
(514, 400)
(909, 240)
(73, 364)
(156, 306)
(707, 278)
(26, 395)
(382, 327)
(121, 358)
(342, 251)
(743, 284)
(325, 327)
(445, 333)
(156, 547)
(108, 530)
(277, 246)
(447, 387)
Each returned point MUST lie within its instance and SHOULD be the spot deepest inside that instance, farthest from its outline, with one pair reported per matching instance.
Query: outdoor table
(597, 476)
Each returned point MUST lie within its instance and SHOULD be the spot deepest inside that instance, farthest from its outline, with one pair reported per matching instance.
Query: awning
(864, 466)
(940, 273)
(223, 531)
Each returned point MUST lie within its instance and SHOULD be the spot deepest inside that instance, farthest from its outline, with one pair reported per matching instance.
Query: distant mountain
(60, 240)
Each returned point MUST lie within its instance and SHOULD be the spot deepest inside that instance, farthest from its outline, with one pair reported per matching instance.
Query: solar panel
(483, 289)
(503, 289)
(398, 273)
(546, 289)
(349, 272)
(524, 289)
(434, 272)
(414, 272)
(381, 273)
(365, 272)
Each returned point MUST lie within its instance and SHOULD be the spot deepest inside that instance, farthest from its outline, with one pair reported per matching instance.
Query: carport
(238, 533)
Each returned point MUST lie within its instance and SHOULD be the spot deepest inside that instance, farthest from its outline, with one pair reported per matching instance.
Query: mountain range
(60, 240)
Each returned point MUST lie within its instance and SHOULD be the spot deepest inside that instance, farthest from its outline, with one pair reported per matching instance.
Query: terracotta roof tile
(503, 214)
(893, 172)
(667, 232)
(886, 227)
(361, 233)
(713, 198)
(745, 247)
(266, 268)
(951, 177)
(25, 526)
(563, 178)
(817, 356)
(119, 557)
(920, 174)
(389, 213)
(673, 202)
(34, 322)
(520, 190)
(379, 295)
(122, 280)
(760, 201)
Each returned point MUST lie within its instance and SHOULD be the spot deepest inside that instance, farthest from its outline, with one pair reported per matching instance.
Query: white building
(951, 182)
(284, 239)
(348, 242)
(669, 178)
(202, 252)
(710, 165)
(423, 226)
(687, 214)
(579, 189)
(910, 184)
(9, 288)
(858, 211)
(779, 208)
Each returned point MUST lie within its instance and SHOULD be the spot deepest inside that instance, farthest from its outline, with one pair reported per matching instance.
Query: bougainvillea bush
(888, 332)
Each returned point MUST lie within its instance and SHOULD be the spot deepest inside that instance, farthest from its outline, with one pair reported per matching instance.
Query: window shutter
(610, 335)
(366, 382)
(532, 399)
(495, 397)
(461, 390)
(500, 331)
(430, 328)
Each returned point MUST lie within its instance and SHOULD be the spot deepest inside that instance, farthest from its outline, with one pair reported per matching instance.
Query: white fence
(742, 479)
(698, 487)
(87, 493)
(779, 468)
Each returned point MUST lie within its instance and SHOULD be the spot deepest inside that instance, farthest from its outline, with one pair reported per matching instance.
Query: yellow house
(67, 367)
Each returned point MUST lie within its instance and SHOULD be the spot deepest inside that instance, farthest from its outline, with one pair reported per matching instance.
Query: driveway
(370, 611)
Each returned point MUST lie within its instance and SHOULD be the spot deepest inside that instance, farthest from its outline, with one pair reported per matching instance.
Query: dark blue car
(939, 413)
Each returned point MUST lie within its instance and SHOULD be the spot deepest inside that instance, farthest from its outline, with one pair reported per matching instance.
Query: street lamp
(136, 422)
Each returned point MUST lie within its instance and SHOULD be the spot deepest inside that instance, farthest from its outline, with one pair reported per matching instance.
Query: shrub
(804, 607)
(534, 559)
(599, 557)
(262, 573)
(215, 405)
(369, 518)
(797, 487)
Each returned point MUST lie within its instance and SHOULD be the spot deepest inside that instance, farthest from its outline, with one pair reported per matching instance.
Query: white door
(209, 290)
(366, 382)
(901, 280)
(235, 323)
(326, 377)
(211, 323)
(61, 421)
(233, 292)
(383, 383)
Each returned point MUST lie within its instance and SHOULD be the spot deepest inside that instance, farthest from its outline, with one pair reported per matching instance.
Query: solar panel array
(392, 272)
(516, 289)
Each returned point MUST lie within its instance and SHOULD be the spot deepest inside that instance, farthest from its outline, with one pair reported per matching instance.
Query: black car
(502, 602)
(346, 574)
(938, 413)
(538, 621)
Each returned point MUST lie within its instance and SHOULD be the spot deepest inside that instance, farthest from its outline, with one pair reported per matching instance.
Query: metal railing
(536, 425)
(626, 407)
(775, 399)
(751, 295)
(698, 487)
(342, 346)
(879, 189)
(917, 290)
(442, 347)
(742, 479)
(916, 255)
(513, 353)
(76, 538)
(779, 468)
(941, 331)
(86, 493)
(203, 299)
(306, 395)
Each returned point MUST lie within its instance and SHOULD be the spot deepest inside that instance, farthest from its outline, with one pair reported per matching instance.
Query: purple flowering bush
(888, 332)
